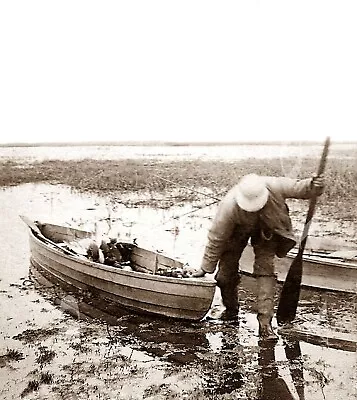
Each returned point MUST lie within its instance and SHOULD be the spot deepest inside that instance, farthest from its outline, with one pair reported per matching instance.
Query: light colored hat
(251, 193)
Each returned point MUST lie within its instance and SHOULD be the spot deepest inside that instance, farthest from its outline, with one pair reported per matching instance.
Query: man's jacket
(274, 218)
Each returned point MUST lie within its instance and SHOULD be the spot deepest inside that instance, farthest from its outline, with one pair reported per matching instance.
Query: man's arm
(295, 188)
(217, 239)
(220, 232)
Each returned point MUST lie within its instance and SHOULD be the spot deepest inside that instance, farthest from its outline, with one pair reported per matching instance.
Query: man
(254, 209)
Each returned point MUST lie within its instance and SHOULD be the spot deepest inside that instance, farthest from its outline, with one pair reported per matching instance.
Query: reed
(127, 175)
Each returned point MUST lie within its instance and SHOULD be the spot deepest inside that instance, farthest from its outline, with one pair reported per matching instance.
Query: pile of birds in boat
(117, 254)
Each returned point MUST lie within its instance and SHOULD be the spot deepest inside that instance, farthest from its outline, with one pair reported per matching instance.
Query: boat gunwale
(191, 292)
(141, 275)
(334, 262)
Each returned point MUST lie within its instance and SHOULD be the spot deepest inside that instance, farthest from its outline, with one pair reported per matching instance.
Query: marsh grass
(153, 175)
(45, 378)
(45, 356)
(186, 178)
(14, 355)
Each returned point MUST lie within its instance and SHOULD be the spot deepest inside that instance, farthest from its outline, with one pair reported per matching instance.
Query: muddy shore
(57, 344)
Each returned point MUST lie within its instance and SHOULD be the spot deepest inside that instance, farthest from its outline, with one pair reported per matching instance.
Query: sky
(177, 70)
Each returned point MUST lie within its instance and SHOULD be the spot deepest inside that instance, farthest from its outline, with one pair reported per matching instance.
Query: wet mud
(57, 343)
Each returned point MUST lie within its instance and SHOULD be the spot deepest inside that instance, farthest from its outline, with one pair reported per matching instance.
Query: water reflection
(273, 386)
(295, 362)
(175, 341)
(230, 375)
(276, 380)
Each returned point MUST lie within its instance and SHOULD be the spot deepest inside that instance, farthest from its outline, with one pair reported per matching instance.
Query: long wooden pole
(290, 294)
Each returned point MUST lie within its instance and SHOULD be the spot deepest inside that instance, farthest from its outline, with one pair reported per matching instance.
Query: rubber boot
(265, 306)
(229, 294)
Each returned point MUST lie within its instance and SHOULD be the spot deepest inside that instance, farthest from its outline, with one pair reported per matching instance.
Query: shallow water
(222, 152)
(93, 350)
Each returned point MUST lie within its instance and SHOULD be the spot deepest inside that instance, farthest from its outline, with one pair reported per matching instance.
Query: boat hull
(182, 298)
(319, 271)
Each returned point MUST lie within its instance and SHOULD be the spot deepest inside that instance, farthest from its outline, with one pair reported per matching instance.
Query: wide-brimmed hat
(251, 193)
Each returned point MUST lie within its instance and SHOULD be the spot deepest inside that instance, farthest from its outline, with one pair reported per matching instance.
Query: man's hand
(318, 184)
(198, 274)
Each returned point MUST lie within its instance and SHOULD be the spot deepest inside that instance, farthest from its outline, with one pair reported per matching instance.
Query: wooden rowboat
(334, 270)
(146, 292)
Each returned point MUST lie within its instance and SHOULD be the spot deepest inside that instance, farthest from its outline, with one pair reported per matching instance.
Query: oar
(289, 297)
(36, 229)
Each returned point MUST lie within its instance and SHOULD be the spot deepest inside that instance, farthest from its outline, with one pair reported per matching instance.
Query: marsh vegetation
(155, 175)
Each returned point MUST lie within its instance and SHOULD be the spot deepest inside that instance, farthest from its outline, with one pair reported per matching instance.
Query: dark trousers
(228, 277)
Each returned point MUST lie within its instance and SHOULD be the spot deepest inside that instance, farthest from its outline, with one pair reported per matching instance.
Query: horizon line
(163, 143)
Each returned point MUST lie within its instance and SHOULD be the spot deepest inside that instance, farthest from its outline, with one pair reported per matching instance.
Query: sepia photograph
(178, 191)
